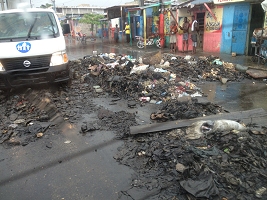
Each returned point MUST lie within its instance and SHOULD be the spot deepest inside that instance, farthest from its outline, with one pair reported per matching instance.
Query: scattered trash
(19, 121)
(223, 80)
(99, 90)
(217, 62)
(144, 99)
(13, 126)
(217, 161)
(202, 186)
(38, 135)
(260, 192)
(202, 128)
(180, 167)
(138, 69)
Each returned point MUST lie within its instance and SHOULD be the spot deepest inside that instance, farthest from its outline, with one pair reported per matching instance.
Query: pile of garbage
(31, 114)
(215, 162)
(226, 161)
(185, 109)
(154, 78)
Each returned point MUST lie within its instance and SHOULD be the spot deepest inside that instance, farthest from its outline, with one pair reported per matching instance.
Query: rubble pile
(209, 68)
(169, 78)
(215, 164)
(222, 165)
(120, 122)
(31, 114)
(113, 75)
(177, 110)
(25, 118)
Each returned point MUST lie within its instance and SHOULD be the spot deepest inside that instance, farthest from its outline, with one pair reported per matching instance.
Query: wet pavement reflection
(237, 96)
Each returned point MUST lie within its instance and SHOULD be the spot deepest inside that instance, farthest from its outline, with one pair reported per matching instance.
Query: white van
(32, 48)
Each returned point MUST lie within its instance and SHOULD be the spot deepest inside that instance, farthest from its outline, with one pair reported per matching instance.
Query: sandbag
(201, 128)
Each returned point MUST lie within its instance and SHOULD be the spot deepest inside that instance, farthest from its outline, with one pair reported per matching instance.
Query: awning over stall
(264, 5)
(235, 1)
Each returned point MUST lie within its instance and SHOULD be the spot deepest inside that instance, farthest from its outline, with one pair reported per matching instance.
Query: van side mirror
(66, 28)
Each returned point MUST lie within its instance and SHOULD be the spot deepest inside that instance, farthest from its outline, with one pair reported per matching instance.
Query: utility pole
(2, 5)
(161, 24)
(141, 3)
(54, 4)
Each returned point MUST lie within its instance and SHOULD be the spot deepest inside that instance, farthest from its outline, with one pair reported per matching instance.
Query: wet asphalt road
(85, 168)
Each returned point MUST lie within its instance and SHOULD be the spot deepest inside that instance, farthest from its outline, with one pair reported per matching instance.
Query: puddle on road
(237, 96)
(76, 50)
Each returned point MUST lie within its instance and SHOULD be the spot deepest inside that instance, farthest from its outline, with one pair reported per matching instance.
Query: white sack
(200, 128)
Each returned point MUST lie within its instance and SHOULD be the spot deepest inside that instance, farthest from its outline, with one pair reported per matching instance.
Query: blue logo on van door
(23, 47)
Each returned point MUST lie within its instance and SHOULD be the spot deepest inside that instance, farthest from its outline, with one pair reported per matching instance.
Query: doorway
(200, 18)
(256, 21)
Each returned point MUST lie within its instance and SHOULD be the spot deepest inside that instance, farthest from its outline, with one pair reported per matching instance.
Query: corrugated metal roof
(190, 3)
(197, 2)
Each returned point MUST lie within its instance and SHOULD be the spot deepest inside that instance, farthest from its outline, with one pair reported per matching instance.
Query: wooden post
(144, 16)
(122, 27)
(129, 22)
(161, 29)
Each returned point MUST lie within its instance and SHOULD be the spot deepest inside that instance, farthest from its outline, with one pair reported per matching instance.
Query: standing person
(185, 29)
(127, 32)
(173, 31)
(116, 33)
(194, 32)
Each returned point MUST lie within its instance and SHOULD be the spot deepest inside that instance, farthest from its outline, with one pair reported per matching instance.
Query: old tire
(140, 44)
(158, 43)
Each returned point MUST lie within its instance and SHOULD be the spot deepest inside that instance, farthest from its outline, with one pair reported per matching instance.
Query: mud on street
(177, 144)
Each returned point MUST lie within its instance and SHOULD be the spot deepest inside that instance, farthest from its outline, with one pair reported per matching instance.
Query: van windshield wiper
(30, 30)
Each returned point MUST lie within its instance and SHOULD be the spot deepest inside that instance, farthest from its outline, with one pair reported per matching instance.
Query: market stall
(259, 41)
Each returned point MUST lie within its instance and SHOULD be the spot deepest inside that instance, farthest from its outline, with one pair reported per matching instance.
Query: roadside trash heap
(211, 159)
(152, 78)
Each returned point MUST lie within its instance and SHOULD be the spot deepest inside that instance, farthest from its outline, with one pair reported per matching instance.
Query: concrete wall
(213, 30)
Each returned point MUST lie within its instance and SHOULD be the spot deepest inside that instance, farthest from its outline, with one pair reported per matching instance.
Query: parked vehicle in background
(154, 39)
(33, 49)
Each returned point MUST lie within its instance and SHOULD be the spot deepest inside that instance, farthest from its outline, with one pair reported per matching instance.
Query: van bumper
(53, 74)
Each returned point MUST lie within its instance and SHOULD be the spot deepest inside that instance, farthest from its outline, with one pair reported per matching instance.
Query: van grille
(39, 62)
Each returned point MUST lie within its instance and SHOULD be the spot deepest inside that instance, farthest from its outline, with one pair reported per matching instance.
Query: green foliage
(91, 19)
(47, 5)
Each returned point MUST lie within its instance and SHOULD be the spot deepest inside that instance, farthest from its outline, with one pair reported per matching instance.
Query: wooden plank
(155, 127)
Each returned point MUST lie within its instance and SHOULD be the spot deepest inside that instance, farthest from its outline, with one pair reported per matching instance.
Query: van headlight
(2, 69)
(59, 58)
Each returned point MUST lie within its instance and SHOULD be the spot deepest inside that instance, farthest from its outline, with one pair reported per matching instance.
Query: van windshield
(28, 25)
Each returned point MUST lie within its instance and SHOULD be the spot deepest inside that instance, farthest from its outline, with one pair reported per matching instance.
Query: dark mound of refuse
(177, 110)
(224, 165)
(128, 78)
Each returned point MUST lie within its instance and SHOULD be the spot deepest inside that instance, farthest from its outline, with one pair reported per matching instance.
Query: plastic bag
(202, 186)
